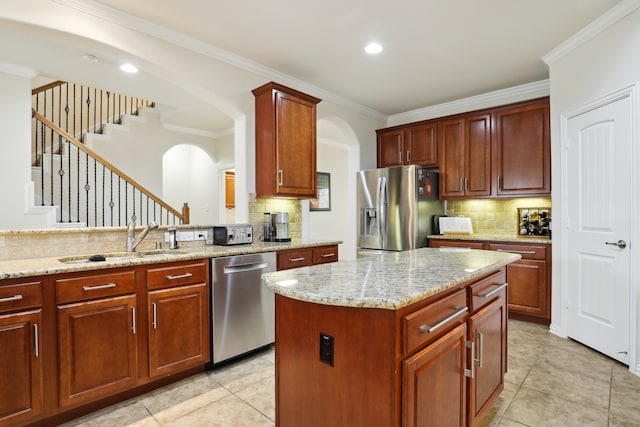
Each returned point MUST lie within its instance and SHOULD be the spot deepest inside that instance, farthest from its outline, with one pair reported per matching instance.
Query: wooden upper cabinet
(410, 145)
(465, 156)
(522, 150)
(285, 142)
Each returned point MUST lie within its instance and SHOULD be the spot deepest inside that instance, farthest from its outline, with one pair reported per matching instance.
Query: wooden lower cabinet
(529, 278)
(434, 383)
(439, 362)
(97, 349)
(304, 257)
(21, 373)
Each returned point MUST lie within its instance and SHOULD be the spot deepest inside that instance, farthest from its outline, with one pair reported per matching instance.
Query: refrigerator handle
(382, 212)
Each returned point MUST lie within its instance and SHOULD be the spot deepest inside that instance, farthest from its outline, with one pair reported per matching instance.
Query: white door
(598, 193)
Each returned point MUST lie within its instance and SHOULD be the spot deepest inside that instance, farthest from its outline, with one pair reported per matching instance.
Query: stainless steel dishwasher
(243, 308)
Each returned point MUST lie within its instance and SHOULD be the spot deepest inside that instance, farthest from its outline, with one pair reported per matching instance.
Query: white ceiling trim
(491, 99)
(146, 27)
(603, 22)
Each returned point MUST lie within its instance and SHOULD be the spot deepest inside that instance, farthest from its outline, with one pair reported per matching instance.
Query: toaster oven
(234, 234)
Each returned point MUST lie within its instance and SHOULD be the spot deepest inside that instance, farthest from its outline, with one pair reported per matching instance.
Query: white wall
(602, 65)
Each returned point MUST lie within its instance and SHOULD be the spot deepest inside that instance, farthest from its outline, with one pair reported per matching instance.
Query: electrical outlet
(201, 235)
(326, 349)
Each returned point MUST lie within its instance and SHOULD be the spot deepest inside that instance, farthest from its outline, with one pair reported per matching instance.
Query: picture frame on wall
(322, 202)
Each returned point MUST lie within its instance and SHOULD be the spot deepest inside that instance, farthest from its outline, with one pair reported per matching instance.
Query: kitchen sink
(119, 256)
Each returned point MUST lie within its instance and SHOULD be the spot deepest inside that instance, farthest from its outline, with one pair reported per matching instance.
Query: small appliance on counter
(232, 234)
(276, 227)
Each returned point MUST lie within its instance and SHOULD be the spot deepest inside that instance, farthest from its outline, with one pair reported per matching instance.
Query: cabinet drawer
(486, 290)
(527, 251)
(95, 286)
(20, 296)
(441, 243)
(294, 258)
(431, 322)
(177, 275)
(325, 254)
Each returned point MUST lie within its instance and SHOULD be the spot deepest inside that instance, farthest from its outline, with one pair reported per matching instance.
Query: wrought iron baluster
(61, 174)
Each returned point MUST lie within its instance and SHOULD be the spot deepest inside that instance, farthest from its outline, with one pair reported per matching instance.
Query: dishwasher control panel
(236, 234)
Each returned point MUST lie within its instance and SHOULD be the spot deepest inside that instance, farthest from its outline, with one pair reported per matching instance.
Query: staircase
(86, 189)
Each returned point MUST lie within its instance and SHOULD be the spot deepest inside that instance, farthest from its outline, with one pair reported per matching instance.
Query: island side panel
(357, 390)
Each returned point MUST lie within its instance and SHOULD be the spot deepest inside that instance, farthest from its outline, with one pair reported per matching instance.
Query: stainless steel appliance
(242, 306)
(236, 234)
(395, 207)
(276, 227)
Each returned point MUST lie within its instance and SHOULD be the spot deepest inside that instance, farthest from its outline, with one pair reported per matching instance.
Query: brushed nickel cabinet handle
(461, 187)
(296, 259)
(36, 341)
(280, 177)
(96, 287)
(400, 155)
(133, 320)
(493, 291)
(430, 329)
(328, 255)
(179, 276)
(154, 321)
(480, 337)
(12, 298)
(471, 373)
(408, 156)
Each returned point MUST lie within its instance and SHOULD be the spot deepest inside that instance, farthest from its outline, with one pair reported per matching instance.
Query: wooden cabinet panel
(434, 384)
(186, 273)
(486, 290)
(421, 145)
(527, 287)
(526, 251)
(325, 254)
(522, 151)
(477, 156)
(294, 258)
(465, 244)
(178, 329)
(229, 189)
(488, 329)
(21, 367)
(285, 142)
(95, 286)
(451, 141)
(20, 296)
(390, 147)
(97, 349)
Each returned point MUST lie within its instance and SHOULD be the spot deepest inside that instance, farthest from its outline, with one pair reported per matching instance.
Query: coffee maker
(276, 227)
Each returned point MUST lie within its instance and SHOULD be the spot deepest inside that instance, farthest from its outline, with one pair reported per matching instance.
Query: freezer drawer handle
(13, 298)
(244, 267)
(516, 252)
(96, 287)
(493, 291)
(430, 329)
(179, 276)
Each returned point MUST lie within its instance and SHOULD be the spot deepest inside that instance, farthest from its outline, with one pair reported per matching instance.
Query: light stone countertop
(390, 281)
(29, 267)
(511, 238)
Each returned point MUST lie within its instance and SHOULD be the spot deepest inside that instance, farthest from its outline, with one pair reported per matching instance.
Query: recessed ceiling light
(373, 48)
(129, 68)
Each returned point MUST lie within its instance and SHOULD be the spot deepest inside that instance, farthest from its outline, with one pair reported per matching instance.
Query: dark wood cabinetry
(21, 358)
(529, 278)
(285, 142)
(497, 152)
(437, 362)
(411, 145)
(304, 257)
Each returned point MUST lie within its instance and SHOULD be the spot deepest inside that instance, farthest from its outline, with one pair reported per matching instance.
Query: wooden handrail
(47, 87)
(109, 165)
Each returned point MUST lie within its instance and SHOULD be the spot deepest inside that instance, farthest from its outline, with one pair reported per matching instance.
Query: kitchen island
(414, 338)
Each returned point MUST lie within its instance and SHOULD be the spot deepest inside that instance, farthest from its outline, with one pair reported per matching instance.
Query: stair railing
(88, 189)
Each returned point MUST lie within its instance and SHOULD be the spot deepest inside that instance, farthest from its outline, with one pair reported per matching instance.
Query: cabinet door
(522, 150)
(477, 156)
(295, 146)
(434, 384)
(488, 328)
(390, 148)
(528, 287)
(451, 151)
(421, 145)
(96, 349)
(178, 329)
(21, 387)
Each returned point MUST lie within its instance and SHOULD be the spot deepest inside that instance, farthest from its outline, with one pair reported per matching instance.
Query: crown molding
(491, 99)
(143, 26)
(596, 27)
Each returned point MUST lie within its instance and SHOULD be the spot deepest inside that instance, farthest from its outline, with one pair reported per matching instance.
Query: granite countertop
(390, 281)
(28, 267)
(511, 238)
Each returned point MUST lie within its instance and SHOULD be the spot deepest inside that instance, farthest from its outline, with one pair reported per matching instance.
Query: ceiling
(435, 51)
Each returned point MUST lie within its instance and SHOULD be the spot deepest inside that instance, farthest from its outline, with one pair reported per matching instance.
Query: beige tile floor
(551, 382)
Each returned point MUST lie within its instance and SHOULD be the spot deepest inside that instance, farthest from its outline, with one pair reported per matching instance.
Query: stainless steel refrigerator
(396, 206)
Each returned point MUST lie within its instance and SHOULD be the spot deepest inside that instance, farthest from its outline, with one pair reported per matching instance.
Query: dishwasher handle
(240, 268)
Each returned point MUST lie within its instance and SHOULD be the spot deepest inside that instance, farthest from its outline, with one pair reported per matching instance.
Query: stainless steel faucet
(132, 242)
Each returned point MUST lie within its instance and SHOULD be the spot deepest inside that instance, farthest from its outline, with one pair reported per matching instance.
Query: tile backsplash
(494, 216)
(257, 208)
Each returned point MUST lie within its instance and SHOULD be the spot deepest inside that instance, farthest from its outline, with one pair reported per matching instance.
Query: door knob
(620, 243)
